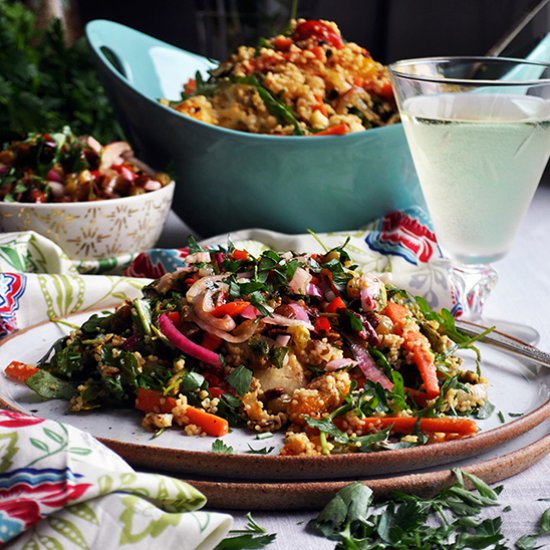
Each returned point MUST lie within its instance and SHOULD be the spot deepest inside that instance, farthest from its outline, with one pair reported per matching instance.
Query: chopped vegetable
(338, 130)
(153, 401)
(19, 371)
(407, 425)
(416, 344)
(187, 346)
(210, 424)
(230, 308)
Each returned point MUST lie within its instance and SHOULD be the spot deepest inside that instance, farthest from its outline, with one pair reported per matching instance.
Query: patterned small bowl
(96, 229)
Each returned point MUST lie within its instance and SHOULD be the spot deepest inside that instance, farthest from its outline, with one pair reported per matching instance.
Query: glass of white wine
(479, 133)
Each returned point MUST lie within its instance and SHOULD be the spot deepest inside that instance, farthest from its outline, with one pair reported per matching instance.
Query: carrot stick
(153, 401)
(406, 425)
(20, 372)
(210, 424)
(417, 345)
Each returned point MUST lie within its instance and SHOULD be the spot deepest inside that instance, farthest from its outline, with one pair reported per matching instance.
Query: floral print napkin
(62, 489)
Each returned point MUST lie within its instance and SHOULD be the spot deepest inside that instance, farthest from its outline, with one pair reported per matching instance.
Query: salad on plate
(339, 360)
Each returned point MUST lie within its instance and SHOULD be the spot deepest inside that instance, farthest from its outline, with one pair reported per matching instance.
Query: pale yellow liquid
(479, 158)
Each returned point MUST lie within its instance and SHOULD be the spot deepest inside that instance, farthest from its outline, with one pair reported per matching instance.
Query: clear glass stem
(473, 284)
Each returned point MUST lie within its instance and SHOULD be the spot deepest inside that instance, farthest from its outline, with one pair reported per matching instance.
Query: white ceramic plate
(519, 391)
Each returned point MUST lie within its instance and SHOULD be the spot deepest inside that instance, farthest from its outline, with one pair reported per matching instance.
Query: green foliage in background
(45, 85)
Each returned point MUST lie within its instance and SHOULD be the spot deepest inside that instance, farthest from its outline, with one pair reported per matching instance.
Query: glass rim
(395, 66)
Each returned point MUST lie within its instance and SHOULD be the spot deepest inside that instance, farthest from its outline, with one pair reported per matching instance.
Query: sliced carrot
(19, 371)
(397, 313)
(418, 396)
(417, 345)
(210, 424)
(406, 425)
(153, 401)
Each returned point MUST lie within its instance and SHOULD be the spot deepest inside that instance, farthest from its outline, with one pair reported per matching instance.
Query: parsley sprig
(252, 536)
(451, 519)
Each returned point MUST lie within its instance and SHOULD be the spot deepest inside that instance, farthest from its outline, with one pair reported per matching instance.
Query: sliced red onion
(166, 282)
(327, 291)
(129, 157)
(276, 319)
(282, 340)
(369, 367)
(113, 154)
(127, 173)
(108, 184)
(371, 287)
(300, 280)
(53, 175)
(3, 169)
(299, 311)
(244, 334)
(250, 312)
(187, 346)
(337, 364)
(214, 281)
(314, 290)
(58, 189)
(93, 144)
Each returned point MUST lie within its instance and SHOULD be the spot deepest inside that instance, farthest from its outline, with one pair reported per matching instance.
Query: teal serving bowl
(228, 180)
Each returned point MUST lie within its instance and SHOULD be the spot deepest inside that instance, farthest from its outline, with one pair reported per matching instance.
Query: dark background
(389, 29)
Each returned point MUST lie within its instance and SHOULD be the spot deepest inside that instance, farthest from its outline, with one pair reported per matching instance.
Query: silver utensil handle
(506, 342)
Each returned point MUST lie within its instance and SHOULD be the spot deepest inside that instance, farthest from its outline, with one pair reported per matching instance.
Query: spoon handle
(506, 342)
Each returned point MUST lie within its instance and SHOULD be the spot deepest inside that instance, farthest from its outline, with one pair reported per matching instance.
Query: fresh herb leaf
(45, 84)
(273, 104)
(349, 507)
(253, 536)
(278, 355)
(240, 380)
(218, 446)
(448, 520)
(49, 386)
(261, 451)
(143, 312)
